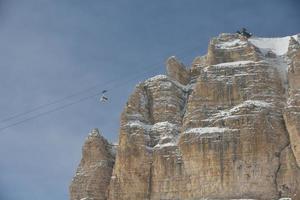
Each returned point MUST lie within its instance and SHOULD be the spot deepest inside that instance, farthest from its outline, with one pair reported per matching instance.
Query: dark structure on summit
(244, 32)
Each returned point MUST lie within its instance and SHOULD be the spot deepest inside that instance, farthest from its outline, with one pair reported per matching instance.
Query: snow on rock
(169, 144)
(234, 64)
(163, 126)
(248, 103)
(237, 43)
(166, 78)
(157, 78)
(233, 112)
(256, 103)
(166, 134)
(280, 47)
(138, 124)
(162, 129)
(277, 45)
(94, 133)
(205, 130)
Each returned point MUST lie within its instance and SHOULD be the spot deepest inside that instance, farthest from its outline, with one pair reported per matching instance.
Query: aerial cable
(59, 108)
(92, 88)
(70, 96)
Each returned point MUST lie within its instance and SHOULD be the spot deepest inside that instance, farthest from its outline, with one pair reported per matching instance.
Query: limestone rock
(94, 171)
(288, 177)
(149, 120)
(228, 128)
(198, 64)
(230, 48)
(292, 111)
(176, 70)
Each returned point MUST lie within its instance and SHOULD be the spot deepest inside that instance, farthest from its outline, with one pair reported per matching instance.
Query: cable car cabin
(103, 99)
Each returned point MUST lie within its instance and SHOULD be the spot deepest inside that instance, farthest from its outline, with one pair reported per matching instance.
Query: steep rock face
(150, 119)
(292, 111)
(230, 48)
(232, 131)
(228, 128)
(94, 171)
(288, 177)
(177, 71)
(197, 65)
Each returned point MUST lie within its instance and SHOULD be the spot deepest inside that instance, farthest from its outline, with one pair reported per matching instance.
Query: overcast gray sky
(52, 48)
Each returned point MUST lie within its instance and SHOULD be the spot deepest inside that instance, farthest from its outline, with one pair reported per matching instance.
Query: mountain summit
(227, 127)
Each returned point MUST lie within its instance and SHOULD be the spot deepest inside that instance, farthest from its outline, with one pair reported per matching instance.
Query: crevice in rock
(279, 160)
(289, 139)
(221, 146)
(278, 169)
(185, 103)
(149, 104)
(149, 189)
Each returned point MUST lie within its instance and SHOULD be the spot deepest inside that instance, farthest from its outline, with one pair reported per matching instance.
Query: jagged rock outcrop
(177, 71)
(94, 171)
(227, 128)
(230, 48)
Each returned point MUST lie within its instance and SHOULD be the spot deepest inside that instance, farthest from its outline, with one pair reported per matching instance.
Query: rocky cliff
(94, 171)
(228, 127)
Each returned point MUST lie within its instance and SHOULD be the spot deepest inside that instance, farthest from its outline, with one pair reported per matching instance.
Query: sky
(51, 49)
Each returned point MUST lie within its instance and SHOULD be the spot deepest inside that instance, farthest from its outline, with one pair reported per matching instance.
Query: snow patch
(157, 78)
(161, 77)
(168, 134)
(138, 124)
(277, 45)
(161, 126)
(234, 64)
(237, 43)
(169, 144)
(165, 132)
(94, 133)
(205, 130)
(256, 103)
